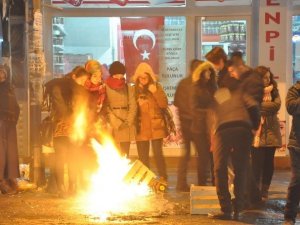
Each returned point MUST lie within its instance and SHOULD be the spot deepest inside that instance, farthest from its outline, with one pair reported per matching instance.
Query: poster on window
(172, 68)
(172, 55)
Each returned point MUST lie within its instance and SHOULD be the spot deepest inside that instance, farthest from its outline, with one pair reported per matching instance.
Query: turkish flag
(141, 42)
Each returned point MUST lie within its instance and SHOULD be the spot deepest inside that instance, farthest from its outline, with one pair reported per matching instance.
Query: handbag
(256, 139)
(169, 122)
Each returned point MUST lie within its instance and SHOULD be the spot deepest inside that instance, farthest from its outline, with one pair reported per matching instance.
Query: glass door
(296, 48)
(230, 33)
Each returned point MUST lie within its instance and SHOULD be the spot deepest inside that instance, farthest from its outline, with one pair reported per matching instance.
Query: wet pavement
(37, 207)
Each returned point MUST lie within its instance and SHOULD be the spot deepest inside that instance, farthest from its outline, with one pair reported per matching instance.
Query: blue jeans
(293, 196)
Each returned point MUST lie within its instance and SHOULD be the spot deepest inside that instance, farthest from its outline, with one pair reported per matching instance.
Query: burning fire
(109, 193)
(79, 125)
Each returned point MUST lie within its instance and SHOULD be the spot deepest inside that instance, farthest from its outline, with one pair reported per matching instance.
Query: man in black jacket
(237, 114)
(293, 197)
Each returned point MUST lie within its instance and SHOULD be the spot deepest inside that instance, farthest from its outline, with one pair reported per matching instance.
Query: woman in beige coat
(121, 107)
(151, 127)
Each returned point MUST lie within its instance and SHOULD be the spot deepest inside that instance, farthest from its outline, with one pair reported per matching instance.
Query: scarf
(115, 83)
(267, 98)
(96, 88)
(267, 93)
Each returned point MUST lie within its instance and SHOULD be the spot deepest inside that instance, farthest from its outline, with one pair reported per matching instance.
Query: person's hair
(194, 63)
(216, 54)
(262, 70)
(237, 54)
(149, 77)
(235, 63)
(92, 66)
(237, 57)
(80, 71)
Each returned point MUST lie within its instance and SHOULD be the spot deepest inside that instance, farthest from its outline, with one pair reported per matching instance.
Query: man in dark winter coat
(293, 197)
(9, 114)
(237, 114)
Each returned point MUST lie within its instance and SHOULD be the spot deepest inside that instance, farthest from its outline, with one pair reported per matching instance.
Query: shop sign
(273, 35)
(117, 3)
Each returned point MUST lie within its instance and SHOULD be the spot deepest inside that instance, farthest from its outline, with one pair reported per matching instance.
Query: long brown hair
(262, 70)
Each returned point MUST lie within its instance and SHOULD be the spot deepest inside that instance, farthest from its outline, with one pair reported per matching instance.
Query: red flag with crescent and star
(141, 42)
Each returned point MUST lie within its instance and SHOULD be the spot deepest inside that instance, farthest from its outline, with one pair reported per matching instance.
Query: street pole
(35, 81)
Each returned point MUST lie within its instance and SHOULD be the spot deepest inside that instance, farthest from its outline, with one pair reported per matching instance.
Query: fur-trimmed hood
(199, 69)
(143, 68)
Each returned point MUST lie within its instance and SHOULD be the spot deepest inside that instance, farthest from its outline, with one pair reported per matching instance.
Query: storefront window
(159, 41)
(229, 34)
(117, 3)
(296, 47)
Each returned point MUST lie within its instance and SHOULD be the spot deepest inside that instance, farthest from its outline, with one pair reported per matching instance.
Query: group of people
(226, 109)
(229, 112)
(130, 110)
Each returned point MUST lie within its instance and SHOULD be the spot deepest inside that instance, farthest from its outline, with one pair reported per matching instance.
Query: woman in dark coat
(68, 94)
(9, 114)
(268, 136)
(204, 87)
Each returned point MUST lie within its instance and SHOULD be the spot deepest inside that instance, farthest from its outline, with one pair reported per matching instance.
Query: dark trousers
(263, 165)
(9, 160)
(65, 153)
(202, 145)
(143, 148)
(253, 193)
(234, 142)
(293, 197)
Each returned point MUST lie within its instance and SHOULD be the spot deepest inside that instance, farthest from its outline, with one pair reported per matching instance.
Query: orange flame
(79, 128)
(108, 192)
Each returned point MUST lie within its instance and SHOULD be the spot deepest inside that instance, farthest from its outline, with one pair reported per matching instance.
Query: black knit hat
(117, 68)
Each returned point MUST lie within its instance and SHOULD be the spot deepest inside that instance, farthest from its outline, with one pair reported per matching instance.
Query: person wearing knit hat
(121, 107)
(95, 84)
(94, 68)
(117, 68)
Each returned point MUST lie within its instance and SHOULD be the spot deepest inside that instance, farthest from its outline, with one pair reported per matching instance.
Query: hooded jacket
(150, 116)
(203, 99)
